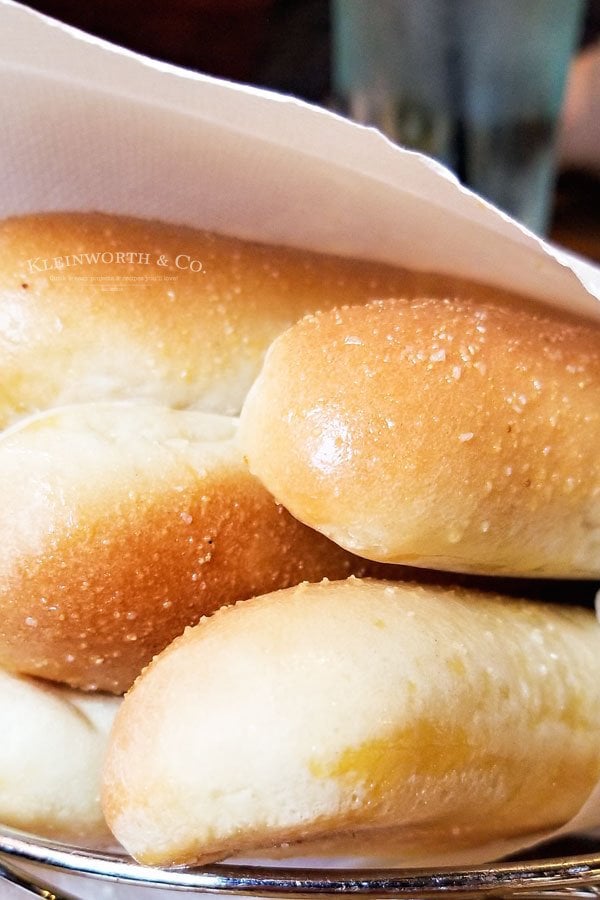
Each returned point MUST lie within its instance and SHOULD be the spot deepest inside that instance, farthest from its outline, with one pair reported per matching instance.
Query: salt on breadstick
(450, 434)
(121, 524)
(458, 719)
(186, 321)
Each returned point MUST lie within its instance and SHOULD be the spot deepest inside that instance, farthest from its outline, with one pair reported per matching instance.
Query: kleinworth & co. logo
(152, 267)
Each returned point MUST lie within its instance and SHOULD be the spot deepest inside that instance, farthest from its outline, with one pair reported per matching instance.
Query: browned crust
(101, 600)
(453, 434)
(196, 342)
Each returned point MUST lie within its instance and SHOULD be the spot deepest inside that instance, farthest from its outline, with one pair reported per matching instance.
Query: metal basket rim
(539, 875)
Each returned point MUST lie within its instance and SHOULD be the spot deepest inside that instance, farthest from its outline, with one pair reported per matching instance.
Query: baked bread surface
(122, 523)
(449, 716)
(105, 307)
(453, 434)
(51, 756)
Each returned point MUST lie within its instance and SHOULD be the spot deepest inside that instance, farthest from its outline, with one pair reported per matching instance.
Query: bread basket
(81, 119)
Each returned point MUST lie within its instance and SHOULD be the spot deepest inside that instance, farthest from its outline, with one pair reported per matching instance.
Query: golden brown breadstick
(120, 524)
(449, 434)
(104, 307)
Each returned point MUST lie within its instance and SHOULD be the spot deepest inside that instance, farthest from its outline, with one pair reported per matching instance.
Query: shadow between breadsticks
(450, 718)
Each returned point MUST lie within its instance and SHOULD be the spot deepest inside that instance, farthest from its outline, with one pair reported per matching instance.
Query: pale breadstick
(51, 752)
(455, 718)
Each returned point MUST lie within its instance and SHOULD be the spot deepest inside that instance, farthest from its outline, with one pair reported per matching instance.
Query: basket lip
(266, 881)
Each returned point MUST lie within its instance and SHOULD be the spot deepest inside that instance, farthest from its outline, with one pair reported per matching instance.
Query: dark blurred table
(576, 220)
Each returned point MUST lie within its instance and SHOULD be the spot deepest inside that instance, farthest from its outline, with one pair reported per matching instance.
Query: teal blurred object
(478, 84)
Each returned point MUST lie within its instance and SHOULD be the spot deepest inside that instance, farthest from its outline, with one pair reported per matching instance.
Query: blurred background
(505, 92)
